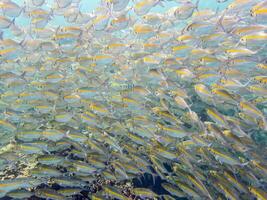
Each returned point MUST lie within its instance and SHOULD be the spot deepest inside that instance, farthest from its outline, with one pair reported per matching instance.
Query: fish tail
(12, 22)
(197, 5)
(248, 82)
(161, 4)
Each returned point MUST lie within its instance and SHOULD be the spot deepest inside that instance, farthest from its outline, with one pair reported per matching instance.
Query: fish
(11, 9)
(258, 193)
(144, 193)
(48, 193)
(185, 11)
(143, 7)
(144, 99)
(116, 5)
(38, 2)
(5, 22)
(19, 194)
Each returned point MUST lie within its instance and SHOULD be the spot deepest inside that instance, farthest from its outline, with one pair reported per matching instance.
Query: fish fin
(219, 23)
(153, 176)
(209, 145)
(23, 10)
(245, 164)
(161, 4)
(12, 22)
(197, 4)
(248, 82)
(67, 133)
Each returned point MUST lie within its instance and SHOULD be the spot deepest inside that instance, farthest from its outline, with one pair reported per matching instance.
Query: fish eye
(189, 28)
(177, 12)
(141, 148)
(158, 93)
(231, 6)
(242, 39)
(252, 13)
(231, 62)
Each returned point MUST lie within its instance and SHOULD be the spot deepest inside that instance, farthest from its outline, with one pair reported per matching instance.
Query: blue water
(88, 6)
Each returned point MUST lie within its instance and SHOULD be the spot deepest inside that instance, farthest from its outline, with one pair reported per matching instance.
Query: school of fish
(94, 107)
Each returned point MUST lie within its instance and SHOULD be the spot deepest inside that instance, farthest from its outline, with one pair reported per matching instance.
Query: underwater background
(133, 99)
(89, 6)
